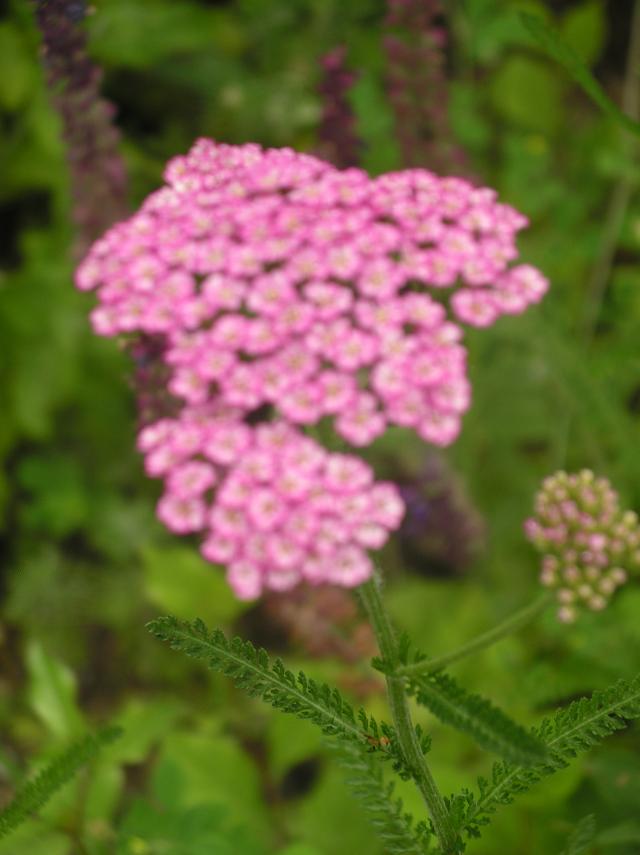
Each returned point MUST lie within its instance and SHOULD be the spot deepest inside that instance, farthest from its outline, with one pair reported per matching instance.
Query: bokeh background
(200, 768)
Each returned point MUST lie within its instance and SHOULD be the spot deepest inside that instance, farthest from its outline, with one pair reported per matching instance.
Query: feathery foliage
(576, 728)
(365, 778)
(489, 726)
(36, 793)
(251, 670)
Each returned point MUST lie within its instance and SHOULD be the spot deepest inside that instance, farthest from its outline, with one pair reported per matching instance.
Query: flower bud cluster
(275, 507)
(588, 543)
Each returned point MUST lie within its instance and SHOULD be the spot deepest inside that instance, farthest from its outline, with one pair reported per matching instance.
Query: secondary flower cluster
(588, 543)
(275, 506)
(279, 292)
(279, 280)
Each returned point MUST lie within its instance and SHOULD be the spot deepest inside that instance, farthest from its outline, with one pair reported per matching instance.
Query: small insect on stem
(378, 742)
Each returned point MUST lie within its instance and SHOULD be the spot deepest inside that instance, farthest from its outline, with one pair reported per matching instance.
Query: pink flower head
(280, 511)
(280, 291)
(263, 253)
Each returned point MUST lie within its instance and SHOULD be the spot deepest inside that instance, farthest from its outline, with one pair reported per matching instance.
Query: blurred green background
(84, 563)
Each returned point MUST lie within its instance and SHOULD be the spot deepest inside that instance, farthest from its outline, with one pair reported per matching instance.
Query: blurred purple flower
(98, 176)
(442, 531)
(415, 44)
(339, 141)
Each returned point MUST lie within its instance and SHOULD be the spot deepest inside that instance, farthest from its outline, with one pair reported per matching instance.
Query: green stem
(407, 737)
(511, 624)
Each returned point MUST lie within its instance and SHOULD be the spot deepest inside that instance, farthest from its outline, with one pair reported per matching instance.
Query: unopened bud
(588, 542)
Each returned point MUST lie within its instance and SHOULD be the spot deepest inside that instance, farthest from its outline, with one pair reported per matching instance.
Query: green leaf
(583, 28)
(58, 501)
(198, 830)
(194, 768)
(36, 793)
(16, 68)
(251, 671)
(299, 849)
(177, 578)
(528, 93)
(52, 691)
(145, 723)
(290, 742)
(489, 726)
(581, 837)
(576, 728)
(329, 819)
(34, 838)
(103, 791)
(395, 827)
(554, 44)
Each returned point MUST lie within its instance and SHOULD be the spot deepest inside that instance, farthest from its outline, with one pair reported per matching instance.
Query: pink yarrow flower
(265, 251)
(284, 511)
(283, 291)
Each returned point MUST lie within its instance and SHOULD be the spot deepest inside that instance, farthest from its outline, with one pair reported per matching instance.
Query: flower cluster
(283, 292)
(279, 280)
(588, 543)
(276, 508)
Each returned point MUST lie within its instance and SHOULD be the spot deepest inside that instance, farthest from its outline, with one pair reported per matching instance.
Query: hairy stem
(409, 744)
(508, 626)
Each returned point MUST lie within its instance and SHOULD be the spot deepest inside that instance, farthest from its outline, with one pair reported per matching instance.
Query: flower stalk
(408, 739)
(508, 626)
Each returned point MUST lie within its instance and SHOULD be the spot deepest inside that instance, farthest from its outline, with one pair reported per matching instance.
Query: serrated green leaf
(396, 828)
(251, 670)
(489, 726)
(576, 728)
(36, 793)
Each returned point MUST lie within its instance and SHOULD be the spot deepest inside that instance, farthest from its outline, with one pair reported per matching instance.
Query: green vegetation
(536, 91)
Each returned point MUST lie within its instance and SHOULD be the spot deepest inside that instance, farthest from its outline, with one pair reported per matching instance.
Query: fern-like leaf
(251, 670)
(37, 792)
(396, 828)
(491, 728)
(576, 728)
